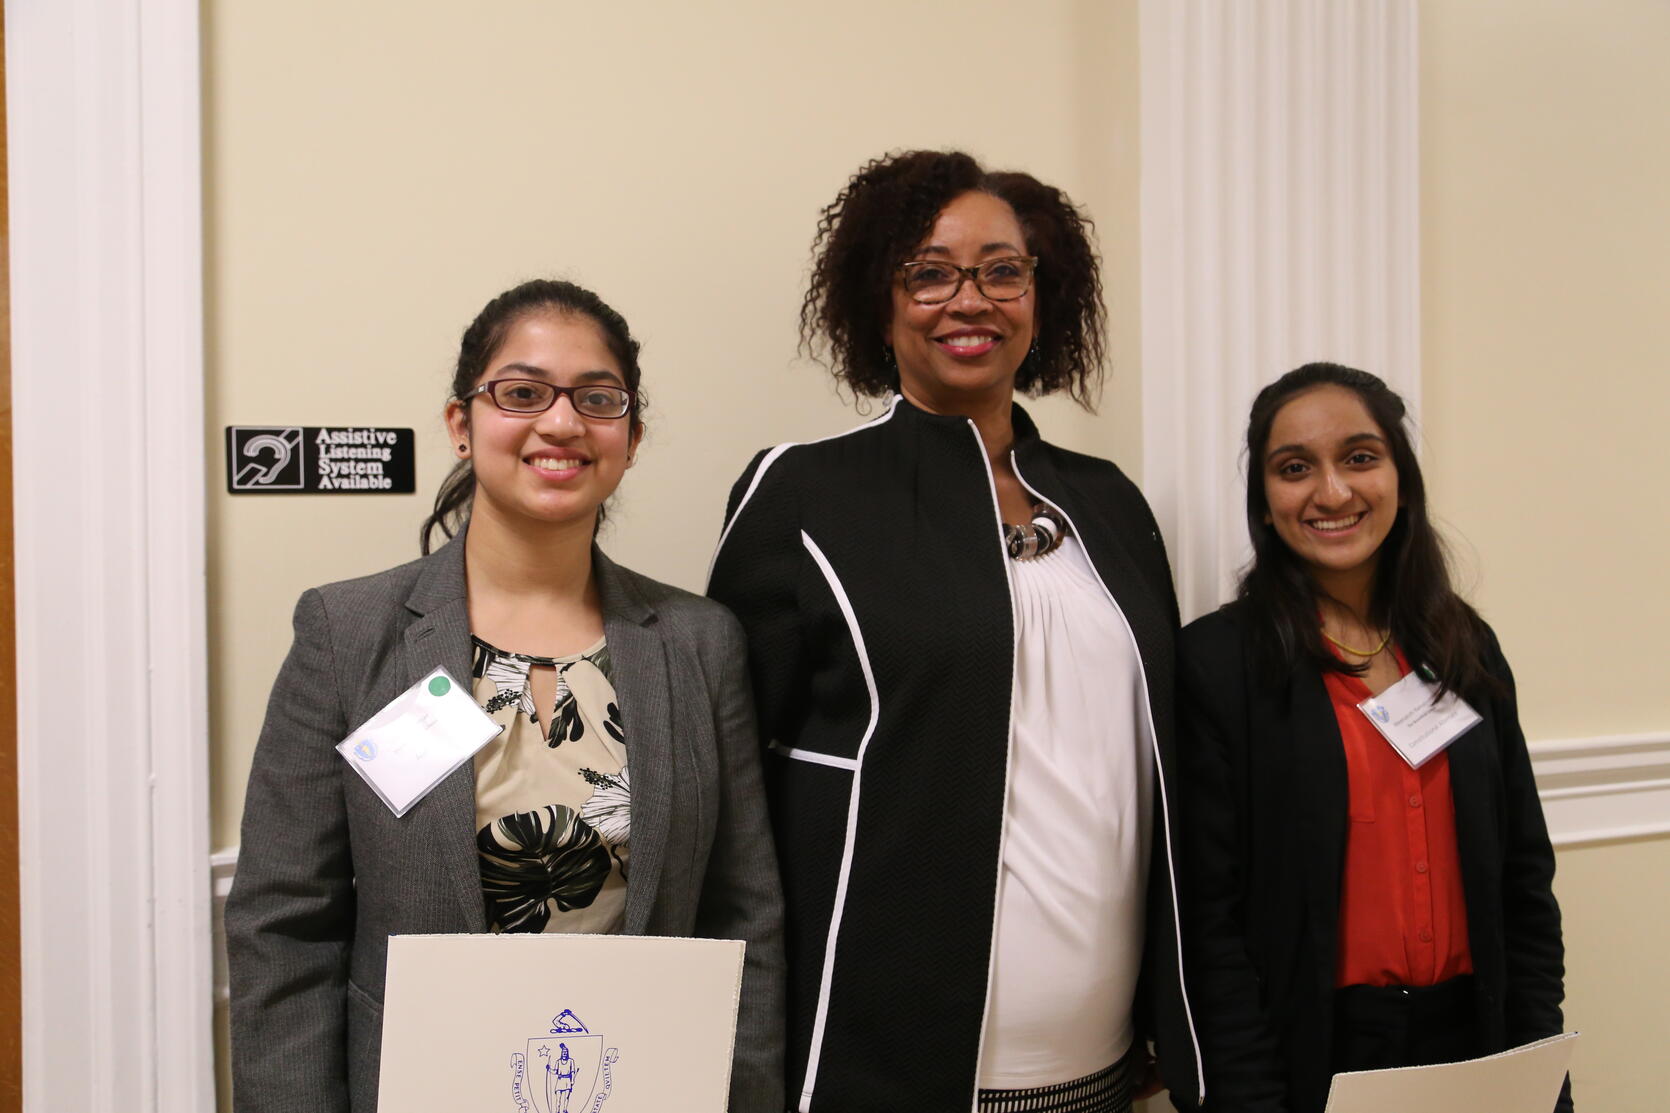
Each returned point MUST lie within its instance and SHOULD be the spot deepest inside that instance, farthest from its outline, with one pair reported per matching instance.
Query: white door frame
(104, 135)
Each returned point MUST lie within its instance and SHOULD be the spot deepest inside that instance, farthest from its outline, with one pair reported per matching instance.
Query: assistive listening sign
(329, 460)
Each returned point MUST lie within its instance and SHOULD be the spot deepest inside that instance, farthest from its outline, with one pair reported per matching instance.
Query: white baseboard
(222, 865)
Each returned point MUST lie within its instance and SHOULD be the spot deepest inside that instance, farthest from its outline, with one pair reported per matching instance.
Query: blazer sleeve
(1238, 1043)
(290, 915)
(756, 574)
(741, 896)
(1534, 949)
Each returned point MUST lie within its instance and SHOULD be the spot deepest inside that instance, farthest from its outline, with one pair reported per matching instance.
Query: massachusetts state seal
(566, 1070)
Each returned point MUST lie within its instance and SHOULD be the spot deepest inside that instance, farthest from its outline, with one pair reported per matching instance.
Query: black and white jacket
(869, 573)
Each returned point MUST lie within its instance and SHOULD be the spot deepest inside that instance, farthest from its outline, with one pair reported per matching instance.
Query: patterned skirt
(1106, 1091)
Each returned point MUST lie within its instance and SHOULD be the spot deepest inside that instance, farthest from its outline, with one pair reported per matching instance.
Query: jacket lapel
(1475, 814)
(444, 822)
(439, 636)
(1106, 551)
(1319, 772)
(642, 688)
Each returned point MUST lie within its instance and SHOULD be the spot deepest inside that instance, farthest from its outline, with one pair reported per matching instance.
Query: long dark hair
(481, 343)
(1412, 595)
(881, 216)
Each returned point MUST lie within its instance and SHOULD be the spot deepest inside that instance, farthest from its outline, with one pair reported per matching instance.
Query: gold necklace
(1358, 652)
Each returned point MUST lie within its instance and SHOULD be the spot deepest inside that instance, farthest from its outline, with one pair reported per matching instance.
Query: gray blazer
(326, 873)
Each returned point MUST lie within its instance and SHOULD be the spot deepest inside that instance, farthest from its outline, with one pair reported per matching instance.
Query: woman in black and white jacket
(961, 640)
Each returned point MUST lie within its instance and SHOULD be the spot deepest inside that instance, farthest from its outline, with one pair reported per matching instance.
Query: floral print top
(552, 797)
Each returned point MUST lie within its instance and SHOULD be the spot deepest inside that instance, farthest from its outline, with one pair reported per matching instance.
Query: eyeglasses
(930, 282)
(535, 396)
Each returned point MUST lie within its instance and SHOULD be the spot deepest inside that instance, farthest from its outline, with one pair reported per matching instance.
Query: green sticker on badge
(440, 686)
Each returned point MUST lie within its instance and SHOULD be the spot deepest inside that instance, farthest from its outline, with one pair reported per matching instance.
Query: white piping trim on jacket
(1008, 756)
(822, 1014)
(1159, 775)
(771, 458)
(834, 762)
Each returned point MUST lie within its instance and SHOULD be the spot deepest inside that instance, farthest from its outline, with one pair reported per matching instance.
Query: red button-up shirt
(1403, 915)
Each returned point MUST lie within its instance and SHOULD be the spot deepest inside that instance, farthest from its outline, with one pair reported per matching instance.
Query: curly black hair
(881, 216)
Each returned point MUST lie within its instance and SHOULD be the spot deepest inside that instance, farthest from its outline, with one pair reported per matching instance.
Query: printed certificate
(557, 1023)
(1524, 1080)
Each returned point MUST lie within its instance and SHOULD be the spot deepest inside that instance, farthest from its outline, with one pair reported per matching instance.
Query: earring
(463, 448)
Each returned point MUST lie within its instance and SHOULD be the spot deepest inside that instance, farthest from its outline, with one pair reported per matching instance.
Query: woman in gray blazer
(550, 827)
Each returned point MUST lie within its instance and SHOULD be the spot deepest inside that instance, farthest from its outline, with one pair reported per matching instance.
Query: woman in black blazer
(1345, 910)
(962, 639)
(622, 794)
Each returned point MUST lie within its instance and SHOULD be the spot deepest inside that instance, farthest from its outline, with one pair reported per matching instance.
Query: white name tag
(1418, 727)
(415, 742)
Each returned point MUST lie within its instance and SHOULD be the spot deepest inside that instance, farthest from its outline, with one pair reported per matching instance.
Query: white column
(107, 394)
(1280, 225)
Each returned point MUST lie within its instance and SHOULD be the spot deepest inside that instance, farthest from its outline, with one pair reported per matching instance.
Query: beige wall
(1546, 278)
(1546, 284)
(377, 171)
(1615, 903)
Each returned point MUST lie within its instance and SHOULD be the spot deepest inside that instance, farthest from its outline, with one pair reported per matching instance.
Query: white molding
(1280, 224)
(1610, 787)
(105, 170)
(1592, 790)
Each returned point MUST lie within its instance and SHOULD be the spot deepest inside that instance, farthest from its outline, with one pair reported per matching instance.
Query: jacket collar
(440, 577)
(1026, 431)
(441, 585)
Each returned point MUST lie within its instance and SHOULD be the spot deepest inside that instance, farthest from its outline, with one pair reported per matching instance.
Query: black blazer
(869, 573)
(1265, 809)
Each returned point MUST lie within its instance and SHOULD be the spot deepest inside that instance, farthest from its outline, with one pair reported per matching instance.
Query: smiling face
(1331, 487)
(552, 467)
(963, 353)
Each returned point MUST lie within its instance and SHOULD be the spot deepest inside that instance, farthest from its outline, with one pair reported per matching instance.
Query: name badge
(415, 742)
(1417, 726)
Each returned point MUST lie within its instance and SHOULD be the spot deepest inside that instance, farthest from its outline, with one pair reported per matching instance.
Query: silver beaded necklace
(1029, 542)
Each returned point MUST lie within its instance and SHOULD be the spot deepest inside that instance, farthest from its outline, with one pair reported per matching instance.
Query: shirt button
(1415, 800)
(1420, 867)
(1425, 935)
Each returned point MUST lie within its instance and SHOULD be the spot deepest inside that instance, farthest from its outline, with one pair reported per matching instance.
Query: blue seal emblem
(564, 1070)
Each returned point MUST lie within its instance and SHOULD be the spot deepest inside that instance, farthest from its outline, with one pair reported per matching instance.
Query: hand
(1145, 1076)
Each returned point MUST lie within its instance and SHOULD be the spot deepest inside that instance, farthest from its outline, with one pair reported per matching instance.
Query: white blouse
(1074, 871)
